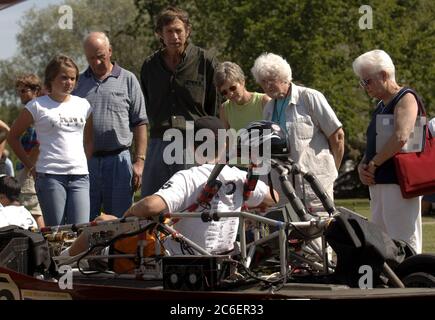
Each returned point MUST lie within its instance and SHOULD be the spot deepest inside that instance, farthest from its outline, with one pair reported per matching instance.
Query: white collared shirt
(310, 121)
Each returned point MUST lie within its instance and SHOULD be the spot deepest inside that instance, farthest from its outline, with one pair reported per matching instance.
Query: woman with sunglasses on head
(242, 106)
(63, 123)
(400, 218)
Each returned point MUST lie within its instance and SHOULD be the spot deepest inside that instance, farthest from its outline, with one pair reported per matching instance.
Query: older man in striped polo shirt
(119, 117)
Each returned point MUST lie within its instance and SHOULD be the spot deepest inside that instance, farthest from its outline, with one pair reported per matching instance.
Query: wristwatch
(374, 164)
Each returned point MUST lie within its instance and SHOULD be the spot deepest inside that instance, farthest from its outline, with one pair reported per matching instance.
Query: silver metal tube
(283, 252)
(110, 275)
(392, 276)
(325, 255)
(242, 237)
(263, 240)
(233, 214)
(89, 224)
(111, 256)
(253, 248)
(176, 234)
(315, 265)
(250, 256)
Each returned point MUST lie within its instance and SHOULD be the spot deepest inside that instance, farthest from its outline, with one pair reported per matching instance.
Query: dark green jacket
(187, 92)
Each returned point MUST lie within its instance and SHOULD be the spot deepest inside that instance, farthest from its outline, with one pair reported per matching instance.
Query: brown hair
(54, 66)
(10, 187)
(228, 71)
(31, 81)
(166, 16)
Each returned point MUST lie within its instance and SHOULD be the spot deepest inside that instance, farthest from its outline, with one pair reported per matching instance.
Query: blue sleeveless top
(386, 173)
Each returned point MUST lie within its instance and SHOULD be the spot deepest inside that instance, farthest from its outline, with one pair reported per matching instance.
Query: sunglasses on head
(23, 90)
(230, 89)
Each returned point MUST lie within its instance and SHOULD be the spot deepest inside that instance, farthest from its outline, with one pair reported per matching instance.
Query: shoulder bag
(416, 170)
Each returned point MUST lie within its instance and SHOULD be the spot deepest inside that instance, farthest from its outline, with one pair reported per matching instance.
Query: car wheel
(6, 295)
(419, 280)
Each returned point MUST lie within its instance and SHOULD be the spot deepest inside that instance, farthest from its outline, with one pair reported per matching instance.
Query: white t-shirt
(16, 215)
(59, 127)
(183, 189)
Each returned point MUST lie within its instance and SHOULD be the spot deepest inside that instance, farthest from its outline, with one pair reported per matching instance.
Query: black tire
(419, 280)
(6, 295)
(418, 263)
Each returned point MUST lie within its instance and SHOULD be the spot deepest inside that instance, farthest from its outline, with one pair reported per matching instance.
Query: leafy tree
(320, 39)
(41, 38)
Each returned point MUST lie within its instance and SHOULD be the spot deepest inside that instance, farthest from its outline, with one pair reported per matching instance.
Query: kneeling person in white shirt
(183, 189)
(11, 211)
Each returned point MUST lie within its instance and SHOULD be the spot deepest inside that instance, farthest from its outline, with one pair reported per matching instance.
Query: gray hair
(271, 65)
(228, 71)
(97, 35)
(376, 61)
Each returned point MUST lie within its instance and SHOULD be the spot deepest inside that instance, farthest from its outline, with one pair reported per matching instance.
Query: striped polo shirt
(118, 106)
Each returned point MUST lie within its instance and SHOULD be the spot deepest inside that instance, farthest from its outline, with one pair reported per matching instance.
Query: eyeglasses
(364, 82)
(230, 89)
(23, 90)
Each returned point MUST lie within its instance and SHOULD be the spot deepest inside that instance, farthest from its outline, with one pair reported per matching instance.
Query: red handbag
(416, 170)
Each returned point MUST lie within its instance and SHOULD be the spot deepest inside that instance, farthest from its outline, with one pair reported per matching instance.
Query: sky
(9, 28)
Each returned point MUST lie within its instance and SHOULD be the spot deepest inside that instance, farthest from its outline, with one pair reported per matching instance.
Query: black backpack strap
(269, 181)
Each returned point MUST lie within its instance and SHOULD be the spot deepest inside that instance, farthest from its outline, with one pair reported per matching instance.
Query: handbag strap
(420, 104)
(428, 133)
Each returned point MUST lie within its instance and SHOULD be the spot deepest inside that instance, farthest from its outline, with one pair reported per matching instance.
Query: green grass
(362, 207)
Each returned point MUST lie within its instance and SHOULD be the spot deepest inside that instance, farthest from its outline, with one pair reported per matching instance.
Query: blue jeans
(110, 180)
(64, 199)
(156, 172)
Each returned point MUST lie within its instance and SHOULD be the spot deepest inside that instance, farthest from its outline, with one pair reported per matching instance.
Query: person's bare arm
(367, 177)
(140, 143)
(88, 137)
(4, 130)
(23, 122)
(39, 220)
(147, 207)
(405, 114)
(336, 144)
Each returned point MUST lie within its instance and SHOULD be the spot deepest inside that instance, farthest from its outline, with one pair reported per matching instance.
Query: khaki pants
(28, 196)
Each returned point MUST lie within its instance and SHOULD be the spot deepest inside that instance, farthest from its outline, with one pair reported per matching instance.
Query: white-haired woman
(242, 106)
(400, 218)
(316, 134)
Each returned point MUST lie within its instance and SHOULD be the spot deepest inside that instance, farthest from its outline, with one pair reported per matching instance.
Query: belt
(109, 153)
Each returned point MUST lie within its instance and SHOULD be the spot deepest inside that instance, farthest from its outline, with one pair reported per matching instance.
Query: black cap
(209, 122)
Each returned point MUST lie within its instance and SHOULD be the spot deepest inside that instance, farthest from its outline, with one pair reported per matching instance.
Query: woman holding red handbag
(400, 218)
